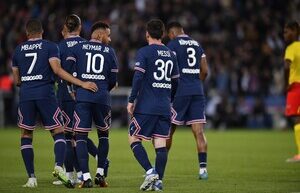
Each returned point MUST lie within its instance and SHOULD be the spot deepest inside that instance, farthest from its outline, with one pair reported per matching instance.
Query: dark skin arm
(287, 64)
(16, 75)
(203, 69)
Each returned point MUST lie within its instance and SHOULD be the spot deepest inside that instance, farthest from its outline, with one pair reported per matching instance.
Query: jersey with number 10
(94, 62)
(159, 66)
(37, 78)
(189, 53)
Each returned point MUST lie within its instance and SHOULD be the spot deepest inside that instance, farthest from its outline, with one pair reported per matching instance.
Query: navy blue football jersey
(188, 53)
(95, 62)
(37, 78)
(159, 66)
(64, 47)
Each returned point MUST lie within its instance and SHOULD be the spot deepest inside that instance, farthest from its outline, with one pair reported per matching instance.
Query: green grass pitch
(238, 162)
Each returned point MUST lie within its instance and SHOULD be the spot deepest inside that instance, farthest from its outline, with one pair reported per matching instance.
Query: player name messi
(32, 46)
(163, 53)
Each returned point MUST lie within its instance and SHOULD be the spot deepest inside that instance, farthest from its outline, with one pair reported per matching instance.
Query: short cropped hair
(99, 25)
(293, 25)
(72, 22)
(174, 24)
(33, 26)
(155, 28)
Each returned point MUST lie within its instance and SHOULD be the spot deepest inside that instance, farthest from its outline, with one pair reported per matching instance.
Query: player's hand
(130, 108)
(90, 86)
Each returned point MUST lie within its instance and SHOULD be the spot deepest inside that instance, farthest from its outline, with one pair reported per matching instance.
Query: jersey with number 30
(159, 66)
(189, 53)
(37, 78)
(94, 62)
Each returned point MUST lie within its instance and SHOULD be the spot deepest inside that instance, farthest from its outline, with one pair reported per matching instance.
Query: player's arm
(174, 79)
(136, 86)
(59, 71)
(287, 64)
(16, 75)
(112, 83)
(203, 68)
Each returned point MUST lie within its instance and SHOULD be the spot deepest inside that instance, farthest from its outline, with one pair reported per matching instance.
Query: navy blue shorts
(67, 109)
(48, 110)
(187, 110)
(150, 126)
(86, 112)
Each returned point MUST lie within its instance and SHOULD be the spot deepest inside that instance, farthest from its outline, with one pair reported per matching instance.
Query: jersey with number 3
(189, 53)
(37, 78)
(95, 62)
(159, 66)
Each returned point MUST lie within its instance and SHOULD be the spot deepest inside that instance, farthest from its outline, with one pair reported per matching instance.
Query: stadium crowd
(242, 40)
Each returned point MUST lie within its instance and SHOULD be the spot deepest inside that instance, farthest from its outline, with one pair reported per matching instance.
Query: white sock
(202, 170)
(86, 176)
(100, 171)
(149, 171)
(79, 174)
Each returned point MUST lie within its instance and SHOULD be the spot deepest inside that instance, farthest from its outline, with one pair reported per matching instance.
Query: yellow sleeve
(289, 54)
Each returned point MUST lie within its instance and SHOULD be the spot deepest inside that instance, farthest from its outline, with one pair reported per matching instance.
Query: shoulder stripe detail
(176, 76)
(203, 55)
(140, 69)
(71, 58)
(114, 70)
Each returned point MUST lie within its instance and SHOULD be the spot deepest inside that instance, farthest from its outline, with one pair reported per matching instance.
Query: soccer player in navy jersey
(34, 64)
(66, 98)
(155, 77)
(97, 62)
(189, 102)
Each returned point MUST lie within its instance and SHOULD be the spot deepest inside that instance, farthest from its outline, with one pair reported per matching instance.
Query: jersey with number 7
(189, 53)
(37, 78)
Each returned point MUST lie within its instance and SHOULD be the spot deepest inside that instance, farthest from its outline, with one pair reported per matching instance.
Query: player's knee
(57, 131)
(133, 139)
(102, 133)
(26, 133)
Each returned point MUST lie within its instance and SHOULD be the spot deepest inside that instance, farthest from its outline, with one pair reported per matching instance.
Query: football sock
(75, 161)
(103, 148)
(202, 157)
(92, 149)
(59, 148)
(82, 152)
(70, 155)
(161, 161)
(140, 155)
(297, 136)
(27, 154)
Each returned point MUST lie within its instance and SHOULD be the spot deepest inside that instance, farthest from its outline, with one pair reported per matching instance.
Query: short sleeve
(175, 70)
(14, 59)
(140, 62)
(70, 55)
(53, 52)
(289, 54)
(114, 64)
(201, 51)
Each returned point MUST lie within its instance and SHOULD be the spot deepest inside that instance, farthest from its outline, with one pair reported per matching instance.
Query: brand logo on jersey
(30, 78)
(161, 85)
(190, 71)
(93, 77)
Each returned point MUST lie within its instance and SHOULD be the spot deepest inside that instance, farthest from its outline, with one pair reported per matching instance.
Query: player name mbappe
(32, 46)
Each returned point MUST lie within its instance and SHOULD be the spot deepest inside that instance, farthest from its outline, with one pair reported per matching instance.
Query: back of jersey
(188, 53)
(159, 65)
(65, 47)
(37, 78)
(94, 62)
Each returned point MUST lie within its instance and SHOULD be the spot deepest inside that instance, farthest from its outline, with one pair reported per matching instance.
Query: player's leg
(27, 118)
(83, 124)
(296, 158)
(178, 111)
(53, 121)
(196, 118)
(140, 128)
(161, 134)
(102, 119)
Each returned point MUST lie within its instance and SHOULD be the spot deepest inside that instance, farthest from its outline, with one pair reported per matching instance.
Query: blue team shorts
(67, 109)
(187, 110)
(150, 126)
(48, 110)
(86, 112)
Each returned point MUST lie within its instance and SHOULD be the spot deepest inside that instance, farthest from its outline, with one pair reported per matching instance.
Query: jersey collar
(34, 39)
(182, 35)
(94, 40)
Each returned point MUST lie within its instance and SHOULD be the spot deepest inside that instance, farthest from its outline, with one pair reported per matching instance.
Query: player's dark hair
(174, 24)
(99, 25)
(155, 28)
(33, 26)
(72, 22)
(293, 25)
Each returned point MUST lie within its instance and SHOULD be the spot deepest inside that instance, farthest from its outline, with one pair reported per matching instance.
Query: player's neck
(70, 35)
(154, 41)
(34, 36)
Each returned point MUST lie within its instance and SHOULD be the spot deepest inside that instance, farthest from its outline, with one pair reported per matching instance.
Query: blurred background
(243, 42)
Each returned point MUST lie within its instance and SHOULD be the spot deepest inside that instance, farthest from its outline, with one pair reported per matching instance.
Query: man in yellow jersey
(292, 69)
